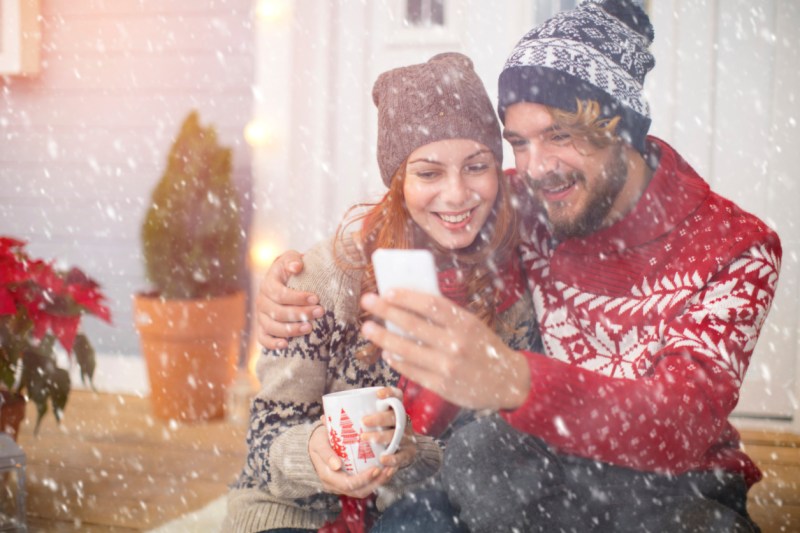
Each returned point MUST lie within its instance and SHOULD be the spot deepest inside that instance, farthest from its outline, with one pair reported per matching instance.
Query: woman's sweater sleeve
(288, 405)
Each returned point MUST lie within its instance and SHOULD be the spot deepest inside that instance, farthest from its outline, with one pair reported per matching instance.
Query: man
(650, 291)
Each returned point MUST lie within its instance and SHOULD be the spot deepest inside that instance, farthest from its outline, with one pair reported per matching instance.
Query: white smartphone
(404, 269)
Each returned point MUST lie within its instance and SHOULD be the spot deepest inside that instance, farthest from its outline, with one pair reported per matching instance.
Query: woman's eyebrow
(437, 162)
(479, 152)
(425, 160)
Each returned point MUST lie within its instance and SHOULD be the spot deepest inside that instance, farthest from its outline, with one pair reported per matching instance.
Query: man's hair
(587, 123)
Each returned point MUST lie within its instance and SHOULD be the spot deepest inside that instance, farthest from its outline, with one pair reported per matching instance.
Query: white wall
(83, 143)
(725, 92)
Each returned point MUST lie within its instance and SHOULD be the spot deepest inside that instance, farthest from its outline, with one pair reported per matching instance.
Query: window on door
(424, 13)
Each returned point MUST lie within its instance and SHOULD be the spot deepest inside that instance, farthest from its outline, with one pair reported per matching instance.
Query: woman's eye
(426, 174)
(560, 137)
(477, 168)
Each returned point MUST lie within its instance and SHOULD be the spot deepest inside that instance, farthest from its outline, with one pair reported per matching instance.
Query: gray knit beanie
(597, 51)
(433, 101)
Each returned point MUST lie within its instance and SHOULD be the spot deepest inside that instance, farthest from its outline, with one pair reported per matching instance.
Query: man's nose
(539, 162)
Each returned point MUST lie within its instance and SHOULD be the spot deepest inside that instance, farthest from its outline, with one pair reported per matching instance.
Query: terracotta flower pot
(12, 412)
(192, 350)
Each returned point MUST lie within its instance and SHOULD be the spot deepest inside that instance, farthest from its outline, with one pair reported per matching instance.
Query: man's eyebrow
(550, 129)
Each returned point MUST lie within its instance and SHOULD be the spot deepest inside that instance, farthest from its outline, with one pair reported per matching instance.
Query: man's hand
(334, 480)
(283, 312)
(451, 353)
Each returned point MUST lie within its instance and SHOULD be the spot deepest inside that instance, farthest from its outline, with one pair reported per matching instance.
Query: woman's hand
(451, 353)
(407, 450)
(334, 479)
(283, 312)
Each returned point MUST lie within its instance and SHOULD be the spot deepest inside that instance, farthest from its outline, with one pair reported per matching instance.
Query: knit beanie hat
(597, 51)
(420, 104)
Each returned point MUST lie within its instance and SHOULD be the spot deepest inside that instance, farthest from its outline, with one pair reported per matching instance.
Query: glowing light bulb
(259, 133)
(272, 10)
(263, 254)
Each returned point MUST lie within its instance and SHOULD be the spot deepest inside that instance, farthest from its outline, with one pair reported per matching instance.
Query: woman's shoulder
(331, 270)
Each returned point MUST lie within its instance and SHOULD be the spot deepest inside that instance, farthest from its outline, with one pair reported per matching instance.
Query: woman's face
(450, 188)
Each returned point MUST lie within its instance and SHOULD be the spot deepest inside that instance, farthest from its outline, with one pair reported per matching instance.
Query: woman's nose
(456, 191)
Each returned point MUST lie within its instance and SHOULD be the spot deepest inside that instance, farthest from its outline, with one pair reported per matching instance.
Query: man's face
(581, 187)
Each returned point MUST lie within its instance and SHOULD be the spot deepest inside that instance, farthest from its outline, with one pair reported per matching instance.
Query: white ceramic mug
(343, 413)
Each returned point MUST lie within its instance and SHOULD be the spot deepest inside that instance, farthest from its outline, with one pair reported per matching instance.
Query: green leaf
(45, 383)
(59, 386)
(84, 354)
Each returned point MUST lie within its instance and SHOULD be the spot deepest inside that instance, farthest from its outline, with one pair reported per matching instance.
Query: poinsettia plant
(40, 306)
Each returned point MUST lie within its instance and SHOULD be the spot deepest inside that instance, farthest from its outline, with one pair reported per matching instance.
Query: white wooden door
(725, 93)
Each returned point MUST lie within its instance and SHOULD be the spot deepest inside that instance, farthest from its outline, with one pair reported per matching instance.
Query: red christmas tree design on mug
(365, 451)
(336, 442)
(349, 436)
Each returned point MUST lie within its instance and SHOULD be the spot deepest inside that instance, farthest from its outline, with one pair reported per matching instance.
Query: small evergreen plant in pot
(193, 243)
(192, 236)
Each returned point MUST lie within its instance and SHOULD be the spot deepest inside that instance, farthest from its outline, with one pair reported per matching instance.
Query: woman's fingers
(334, 480)
(404, 457)
(358, 485)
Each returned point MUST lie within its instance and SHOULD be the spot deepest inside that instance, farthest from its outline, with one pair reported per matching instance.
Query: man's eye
(560, 137)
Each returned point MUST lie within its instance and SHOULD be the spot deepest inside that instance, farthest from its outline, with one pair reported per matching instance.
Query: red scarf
(430, 413)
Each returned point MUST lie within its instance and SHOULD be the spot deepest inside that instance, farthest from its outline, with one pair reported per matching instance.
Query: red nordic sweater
(648, 328)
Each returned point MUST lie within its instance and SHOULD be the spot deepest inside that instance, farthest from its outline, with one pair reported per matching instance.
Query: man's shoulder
(722, 220)
(729, 219)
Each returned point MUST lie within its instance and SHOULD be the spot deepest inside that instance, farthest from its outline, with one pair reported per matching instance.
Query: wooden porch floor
(111, 467)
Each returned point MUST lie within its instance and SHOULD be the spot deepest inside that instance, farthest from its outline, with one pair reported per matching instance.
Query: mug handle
(400, 422)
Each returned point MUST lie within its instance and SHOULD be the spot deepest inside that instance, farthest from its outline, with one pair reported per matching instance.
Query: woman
(440, 154)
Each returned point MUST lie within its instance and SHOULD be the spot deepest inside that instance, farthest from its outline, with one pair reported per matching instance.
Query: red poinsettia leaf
(7, 304)
(10, 267)
(101, 311)
(41, 322)
(86, 293)
(46, 277)
(65, 328)
(7, 243)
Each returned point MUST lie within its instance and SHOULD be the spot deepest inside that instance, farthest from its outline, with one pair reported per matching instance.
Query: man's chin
(568, 229)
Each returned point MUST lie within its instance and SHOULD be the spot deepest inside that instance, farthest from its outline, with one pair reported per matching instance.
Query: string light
(258, 133)
(272, 11)
(262, 254)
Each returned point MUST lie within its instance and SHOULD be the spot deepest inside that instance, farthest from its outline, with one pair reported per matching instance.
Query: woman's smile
(456, 220)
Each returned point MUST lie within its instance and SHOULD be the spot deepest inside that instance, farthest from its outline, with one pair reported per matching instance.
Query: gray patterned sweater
(278, 486)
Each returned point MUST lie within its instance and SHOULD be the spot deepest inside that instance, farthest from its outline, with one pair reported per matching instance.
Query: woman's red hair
(387, 224)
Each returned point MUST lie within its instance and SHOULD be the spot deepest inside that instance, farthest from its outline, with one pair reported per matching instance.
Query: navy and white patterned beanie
(597, 51)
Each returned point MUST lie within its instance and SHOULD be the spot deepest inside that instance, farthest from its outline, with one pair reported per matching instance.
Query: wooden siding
(83, 143)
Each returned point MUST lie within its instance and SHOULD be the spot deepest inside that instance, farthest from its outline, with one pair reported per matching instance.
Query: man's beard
(602, 196)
